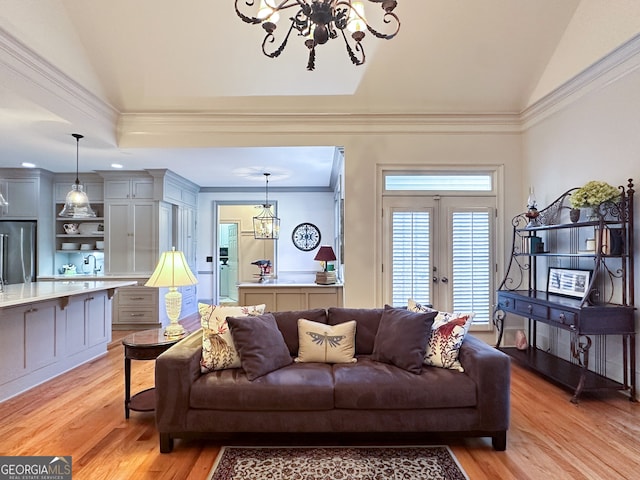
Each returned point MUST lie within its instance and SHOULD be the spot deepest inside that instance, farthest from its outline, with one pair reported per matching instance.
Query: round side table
(144, 345)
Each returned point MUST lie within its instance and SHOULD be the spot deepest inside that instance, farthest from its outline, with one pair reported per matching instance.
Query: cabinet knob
(530, 307)
(562, 317)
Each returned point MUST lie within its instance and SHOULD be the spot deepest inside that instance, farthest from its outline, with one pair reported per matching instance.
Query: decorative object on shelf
(3, 202)
(593, 194)
(71, 228)
(265, 269)
(306, 236)
(532, 209)
(76, 204)
(521, 340)
(574, 215)
(266, 226)
(319, 21)
(172, 271)
(568, 282)
(328, 274)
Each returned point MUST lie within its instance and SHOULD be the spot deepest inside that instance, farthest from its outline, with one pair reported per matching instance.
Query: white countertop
(24, 293)
(286, 283)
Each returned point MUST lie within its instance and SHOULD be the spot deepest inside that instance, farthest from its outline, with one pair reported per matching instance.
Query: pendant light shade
(76, 204)
(266, 226)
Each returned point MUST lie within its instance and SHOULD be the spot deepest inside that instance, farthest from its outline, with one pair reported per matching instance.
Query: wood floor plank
(81, 413)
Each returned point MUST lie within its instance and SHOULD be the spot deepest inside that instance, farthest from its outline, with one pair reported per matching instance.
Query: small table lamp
(172, 271)
(325, 255)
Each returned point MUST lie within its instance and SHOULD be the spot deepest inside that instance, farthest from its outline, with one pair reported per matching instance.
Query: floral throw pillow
(447, 334)
(218, 350)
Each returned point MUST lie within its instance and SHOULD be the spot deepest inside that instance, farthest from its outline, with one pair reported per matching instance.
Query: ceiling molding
(615, 65)
(35, 78)
(135, 129)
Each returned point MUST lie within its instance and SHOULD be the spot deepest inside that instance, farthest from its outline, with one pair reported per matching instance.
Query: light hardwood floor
(81, 414)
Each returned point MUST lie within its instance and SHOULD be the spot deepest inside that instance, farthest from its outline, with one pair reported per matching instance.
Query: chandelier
(319, 21)
(266, 226)
(76, 204)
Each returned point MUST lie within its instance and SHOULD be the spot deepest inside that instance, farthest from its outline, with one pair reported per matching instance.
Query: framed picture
(568, 282)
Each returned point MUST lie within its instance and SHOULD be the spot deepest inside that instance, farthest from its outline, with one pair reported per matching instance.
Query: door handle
(444, 280)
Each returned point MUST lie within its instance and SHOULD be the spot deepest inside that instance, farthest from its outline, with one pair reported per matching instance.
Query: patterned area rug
(335, 463)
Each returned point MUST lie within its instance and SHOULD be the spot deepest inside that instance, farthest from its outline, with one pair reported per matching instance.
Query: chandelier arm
(255, 20)
(385, 19)
(359, 48)
(311, 63)
(270, 38)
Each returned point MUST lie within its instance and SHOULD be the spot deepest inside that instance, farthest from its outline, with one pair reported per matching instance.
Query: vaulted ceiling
(165, 57)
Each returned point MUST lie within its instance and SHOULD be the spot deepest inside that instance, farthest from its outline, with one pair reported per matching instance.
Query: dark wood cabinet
(579, 318)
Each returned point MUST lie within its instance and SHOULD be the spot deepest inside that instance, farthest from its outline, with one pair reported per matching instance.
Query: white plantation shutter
(471, 263)
(411, 259)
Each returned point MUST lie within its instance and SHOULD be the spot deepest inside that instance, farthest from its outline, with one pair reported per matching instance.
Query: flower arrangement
(593, 193)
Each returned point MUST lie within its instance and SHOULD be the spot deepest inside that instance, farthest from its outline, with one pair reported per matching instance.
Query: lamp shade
(172, 271)
(325, 254)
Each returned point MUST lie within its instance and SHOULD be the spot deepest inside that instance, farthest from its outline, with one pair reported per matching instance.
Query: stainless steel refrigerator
(17, 251)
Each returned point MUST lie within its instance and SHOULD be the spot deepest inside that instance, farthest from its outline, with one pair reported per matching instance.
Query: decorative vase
(574, 215)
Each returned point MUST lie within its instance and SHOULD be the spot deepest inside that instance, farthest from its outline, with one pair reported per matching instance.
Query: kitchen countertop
(25, 293)
(286, 283)
(88, 276)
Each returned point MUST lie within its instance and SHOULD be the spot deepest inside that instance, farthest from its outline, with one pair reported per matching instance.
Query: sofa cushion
(367, 321)
(295, 387)
(402, 338)
(320, 342)
(373, 385)
(218, 349)
(260, 344)
(447, 334)
(288, 324)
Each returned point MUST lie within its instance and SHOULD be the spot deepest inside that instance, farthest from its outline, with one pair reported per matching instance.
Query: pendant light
(76, 205)
(266, 226)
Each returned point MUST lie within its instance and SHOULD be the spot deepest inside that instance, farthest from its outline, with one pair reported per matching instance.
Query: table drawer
(563, 317)
(529, 309)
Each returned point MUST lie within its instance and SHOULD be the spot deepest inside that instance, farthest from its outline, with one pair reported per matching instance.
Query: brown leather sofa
(366, 396)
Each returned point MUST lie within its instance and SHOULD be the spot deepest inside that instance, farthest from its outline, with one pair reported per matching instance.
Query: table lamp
(325, 255)
(172, 271)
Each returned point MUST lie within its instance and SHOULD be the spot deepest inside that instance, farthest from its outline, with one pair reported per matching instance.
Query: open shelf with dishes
(573, 283)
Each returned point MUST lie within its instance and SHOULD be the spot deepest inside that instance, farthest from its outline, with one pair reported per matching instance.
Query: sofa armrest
(176, 370)
(491, 370)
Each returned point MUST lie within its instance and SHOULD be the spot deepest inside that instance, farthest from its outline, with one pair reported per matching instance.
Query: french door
(439, 250)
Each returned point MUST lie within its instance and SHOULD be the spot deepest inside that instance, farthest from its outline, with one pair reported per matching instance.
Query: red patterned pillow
(447, 335)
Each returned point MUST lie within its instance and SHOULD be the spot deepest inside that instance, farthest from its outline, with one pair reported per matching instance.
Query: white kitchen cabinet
(130, 188)
(22, 194)
(130, 237)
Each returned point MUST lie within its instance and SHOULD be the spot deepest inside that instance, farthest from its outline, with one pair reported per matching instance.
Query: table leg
(127, 385)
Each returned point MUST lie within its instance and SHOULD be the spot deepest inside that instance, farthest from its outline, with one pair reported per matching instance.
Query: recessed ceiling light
(116, 165)
(28, 165)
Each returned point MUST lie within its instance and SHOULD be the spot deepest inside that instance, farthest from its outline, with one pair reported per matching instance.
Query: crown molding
(607, 70)
(35, 78)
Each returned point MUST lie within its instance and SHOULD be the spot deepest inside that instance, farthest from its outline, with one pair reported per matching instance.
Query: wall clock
(306, 236)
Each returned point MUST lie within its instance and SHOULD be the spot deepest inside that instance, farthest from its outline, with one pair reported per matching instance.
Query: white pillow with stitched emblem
(447, 334)
(319, 342)
(218, 350)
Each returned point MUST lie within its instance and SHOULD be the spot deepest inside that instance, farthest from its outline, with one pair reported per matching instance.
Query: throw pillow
(319, 342)
(402, 337)
(418, 307)
(447, 335)
(260, 344)
(218, 350)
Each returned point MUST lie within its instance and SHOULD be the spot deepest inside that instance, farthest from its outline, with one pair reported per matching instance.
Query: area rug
(336, 463)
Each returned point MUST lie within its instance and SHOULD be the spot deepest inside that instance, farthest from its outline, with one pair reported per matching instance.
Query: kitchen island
(283, 295)
(51, 327)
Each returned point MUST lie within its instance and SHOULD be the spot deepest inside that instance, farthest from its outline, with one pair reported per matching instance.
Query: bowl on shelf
(100, 245)
(86, 246)
(90, 228)
(70, 246)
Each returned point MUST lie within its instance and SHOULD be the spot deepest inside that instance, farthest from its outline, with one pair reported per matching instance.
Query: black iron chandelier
(319, 21)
